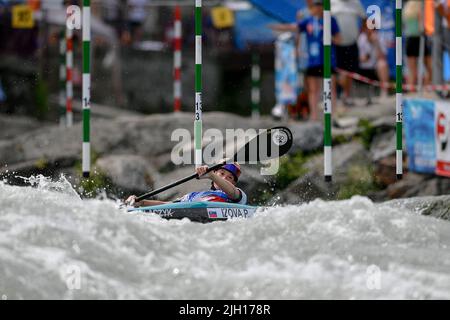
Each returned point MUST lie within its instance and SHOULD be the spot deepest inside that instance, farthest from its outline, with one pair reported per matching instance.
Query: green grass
(360, 181)
(368, 132)
(97, 183)
(41, 164)
(94, 185)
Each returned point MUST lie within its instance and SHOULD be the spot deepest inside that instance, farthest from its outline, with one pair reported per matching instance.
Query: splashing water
(54, 245)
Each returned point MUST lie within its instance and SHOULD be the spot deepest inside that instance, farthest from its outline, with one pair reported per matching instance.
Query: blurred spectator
(312, 26)
(34, 4)
(302, 58)
(413, 32)
(443, 8)
(111, 14)
(2, 94)
(372, 57)
(302, 54)
(349, 14)
(21, 42)
(136, 15)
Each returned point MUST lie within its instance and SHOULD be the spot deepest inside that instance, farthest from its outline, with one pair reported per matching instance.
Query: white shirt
(366, 48)
(348, 14)
(446, 9)
(137, 10)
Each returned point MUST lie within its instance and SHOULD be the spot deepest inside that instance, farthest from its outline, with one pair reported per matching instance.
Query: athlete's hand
(131, 201)
(203, 172)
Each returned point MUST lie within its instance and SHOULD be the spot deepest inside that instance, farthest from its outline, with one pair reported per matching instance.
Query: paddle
(267, 145)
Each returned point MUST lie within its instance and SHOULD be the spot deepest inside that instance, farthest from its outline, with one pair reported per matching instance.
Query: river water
(53, 245)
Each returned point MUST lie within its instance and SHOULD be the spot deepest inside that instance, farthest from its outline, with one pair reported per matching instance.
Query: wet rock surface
(135, 153)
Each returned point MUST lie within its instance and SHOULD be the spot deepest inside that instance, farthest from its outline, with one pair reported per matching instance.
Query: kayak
(200, 211)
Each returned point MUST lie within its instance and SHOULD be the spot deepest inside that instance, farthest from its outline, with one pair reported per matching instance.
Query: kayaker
(223, 188)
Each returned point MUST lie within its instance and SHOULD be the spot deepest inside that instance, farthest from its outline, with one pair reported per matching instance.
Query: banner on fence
(427, 131)
(442, 122)
(286, 76)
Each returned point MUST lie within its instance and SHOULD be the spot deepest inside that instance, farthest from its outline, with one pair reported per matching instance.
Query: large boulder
(413, 185)
(146, 136)
(13, 126)
(383, 146)
(382, 109)
(312, 185)
(418, 185)
(130, 174)
(438, 207)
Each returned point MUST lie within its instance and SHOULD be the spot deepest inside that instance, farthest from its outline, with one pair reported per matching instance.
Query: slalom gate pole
(86, 102)
(177, 60)
(399, 88)
(256, 86)
(69, 77)
(328, 171)
(62, 79)
(198, 130)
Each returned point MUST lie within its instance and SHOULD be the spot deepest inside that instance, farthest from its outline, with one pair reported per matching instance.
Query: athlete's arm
(223, 184)
(144, 203)
(150, 203)
(336, 39)
(291, 27)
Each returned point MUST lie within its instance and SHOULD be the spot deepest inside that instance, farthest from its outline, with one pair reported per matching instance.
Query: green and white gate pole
(69, 77)
(62, 79)
(328, 173)
(86, 163)
(399, 89)
(198, 130)
(256, 86)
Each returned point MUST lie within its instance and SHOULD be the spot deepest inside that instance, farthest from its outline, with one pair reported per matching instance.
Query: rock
(383, 146)
(13, 126)
(382, 109)
(385, 171)
(307, 188)
(312, 185)
(345, 133)
(346, 122)
(410, 184)
(253, 183)
(414, 185)
(307, 136)
(432, 186)
(344, 156)
(438, 207)
(131, 174)
(146, 136)
(383, 124)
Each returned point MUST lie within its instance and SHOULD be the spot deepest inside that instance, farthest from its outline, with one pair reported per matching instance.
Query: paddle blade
(267, 145)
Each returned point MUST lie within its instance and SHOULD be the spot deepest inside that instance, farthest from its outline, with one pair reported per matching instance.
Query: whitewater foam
(54, 245)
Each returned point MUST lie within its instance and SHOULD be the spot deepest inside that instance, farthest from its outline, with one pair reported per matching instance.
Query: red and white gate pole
(177, 60)
(69, 77)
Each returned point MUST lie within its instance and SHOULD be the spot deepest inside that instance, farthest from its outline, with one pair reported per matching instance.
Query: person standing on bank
(349, 15)
(313, 26)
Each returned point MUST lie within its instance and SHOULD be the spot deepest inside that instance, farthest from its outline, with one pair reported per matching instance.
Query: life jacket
(210, 195)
